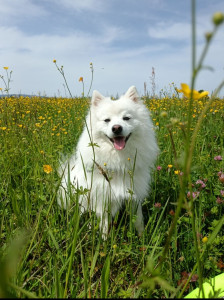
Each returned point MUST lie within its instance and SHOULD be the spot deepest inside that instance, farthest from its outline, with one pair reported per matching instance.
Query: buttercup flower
(205, 239)
(47, 169)
(177, 172)
(187, 92)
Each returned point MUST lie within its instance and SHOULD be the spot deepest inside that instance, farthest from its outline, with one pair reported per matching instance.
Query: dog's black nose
(117, 129)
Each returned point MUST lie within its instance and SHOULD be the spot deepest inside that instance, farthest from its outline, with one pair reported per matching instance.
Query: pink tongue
(119, 142)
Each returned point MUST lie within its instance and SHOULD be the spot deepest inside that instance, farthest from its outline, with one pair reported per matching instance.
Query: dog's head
(116, 120)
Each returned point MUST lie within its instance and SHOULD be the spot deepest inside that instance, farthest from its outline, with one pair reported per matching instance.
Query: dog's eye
(107, 120)
(126, 118)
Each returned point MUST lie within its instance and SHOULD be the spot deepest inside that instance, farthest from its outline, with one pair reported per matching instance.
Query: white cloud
(14, 10)
(174, 31)
(80, 5)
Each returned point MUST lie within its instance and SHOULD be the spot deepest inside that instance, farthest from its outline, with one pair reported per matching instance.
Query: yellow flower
(81, 79)
(6, 68)
(177, 172)
(170, 166)
(187, 92)
(47, 169)
(54, 61)
(0, 89)
(163, 114)
(205, 239)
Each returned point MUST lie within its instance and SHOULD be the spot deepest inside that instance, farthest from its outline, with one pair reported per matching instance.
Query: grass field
(49, 252)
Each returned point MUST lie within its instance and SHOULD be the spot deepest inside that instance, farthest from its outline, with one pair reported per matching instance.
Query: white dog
(113, 158)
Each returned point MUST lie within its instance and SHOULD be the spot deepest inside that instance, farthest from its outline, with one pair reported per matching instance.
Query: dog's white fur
(112, 169)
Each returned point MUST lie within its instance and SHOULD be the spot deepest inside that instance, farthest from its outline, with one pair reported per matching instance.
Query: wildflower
(205, 239)
(163, 114)
(220, 264)
(219, 200)
(159, 168)
(174, 121)
(170, 166)
(183, 280)
(199, 181)
(105, 164)
(171, 212)
(54, 61)
(218, 18)
(218, 157)
(129, 159)
(114, 246)
(81, 79)
(6, 68)
(177, 172)
(193, 194)
(195, 94)
(157, 205)
(47, 169)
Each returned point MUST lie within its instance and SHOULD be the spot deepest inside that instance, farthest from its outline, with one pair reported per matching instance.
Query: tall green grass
(49, 252)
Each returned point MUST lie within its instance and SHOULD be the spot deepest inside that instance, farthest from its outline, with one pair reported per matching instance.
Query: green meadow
(50, 252)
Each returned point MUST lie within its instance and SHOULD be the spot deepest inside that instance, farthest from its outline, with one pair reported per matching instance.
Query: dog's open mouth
(119, 142)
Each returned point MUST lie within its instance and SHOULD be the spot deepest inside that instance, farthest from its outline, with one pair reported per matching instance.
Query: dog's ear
(132, 94)
(96, 98)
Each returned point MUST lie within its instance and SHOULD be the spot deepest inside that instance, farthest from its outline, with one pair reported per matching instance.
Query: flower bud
(163, 114)
(174, 121)
(208, 36)
(218, 18)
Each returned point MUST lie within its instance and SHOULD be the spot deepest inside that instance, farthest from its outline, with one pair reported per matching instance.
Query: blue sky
(123, 39)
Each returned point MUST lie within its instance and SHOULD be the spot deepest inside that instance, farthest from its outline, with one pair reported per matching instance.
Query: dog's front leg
(103, 223)
(139, 223)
